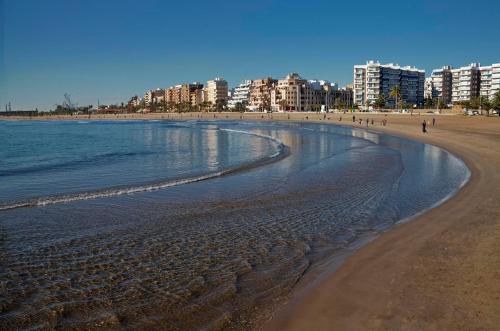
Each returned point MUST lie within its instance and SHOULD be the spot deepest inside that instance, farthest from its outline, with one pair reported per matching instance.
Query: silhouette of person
(424, 126)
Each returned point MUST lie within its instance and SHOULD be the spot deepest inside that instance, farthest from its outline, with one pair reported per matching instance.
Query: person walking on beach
(372, 121)
(353, 118)
(367, 120)
(433, 121)
(424, 126)
(360, 120)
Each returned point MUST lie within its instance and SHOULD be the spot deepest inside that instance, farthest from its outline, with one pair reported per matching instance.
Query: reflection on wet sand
(214, 254)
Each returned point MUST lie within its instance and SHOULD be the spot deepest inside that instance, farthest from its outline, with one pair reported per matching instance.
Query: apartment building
(485, 73)
(173, 94)
(429, 91)
(241, 94)
(148, 97)
(442, 84)
(260, 93)
(297, 94)
(495, 80)
(466, 83)
(374, 79)
(216, 91)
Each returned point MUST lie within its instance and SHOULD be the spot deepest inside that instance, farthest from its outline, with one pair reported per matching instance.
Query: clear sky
(113, 49)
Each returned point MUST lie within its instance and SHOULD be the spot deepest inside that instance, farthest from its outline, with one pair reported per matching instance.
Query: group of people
(425, 123)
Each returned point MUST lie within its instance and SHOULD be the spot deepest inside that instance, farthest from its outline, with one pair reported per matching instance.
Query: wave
(281, 153)
(72, 163)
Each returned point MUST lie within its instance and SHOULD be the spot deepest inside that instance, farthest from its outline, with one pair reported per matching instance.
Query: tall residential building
(173, 94)
(466, 83)
(241, 94)
(374, 79)
(260, 93)
(429, 90)
(216, 91)
(191, 93)
(442, 84)
(485, 74)
(495, 80)
(148, 97)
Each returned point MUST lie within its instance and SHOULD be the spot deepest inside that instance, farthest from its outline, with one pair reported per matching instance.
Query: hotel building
(216, 91)
(260, 93)
(241, 94)
(442, 84)
(297, 94)
(495, 80)
(374, 79)
(466, 83)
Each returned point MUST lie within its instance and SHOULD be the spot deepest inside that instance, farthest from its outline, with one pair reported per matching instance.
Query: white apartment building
(485, 81)
(429, 90)
(495, 80)
(148, 97)
(466, 83)
(442, 84)
(241, 94)
(216, 91)
(374, 79)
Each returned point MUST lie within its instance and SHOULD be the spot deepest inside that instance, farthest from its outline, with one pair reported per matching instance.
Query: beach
(440, 270)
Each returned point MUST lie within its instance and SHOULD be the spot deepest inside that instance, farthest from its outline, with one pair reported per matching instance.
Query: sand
(440, 271)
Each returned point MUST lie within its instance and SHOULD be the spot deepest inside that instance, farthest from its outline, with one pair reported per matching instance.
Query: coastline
(437, 271)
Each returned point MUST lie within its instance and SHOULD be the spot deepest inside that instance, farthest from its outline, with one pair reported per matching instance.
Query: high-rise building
(485, 73)
(466, 83)
(374, 79)
(241, 94)
(442, 84)
(429, 90)
(495, 80)
(260, 93)
(216, 91)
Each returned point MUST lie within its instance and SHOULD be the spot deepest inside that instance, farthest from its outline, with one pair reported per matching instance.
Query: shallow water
(203, 253)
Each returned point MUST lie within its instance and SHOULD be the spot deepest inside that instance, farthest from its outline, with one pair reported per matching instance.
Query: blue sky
(112, 49)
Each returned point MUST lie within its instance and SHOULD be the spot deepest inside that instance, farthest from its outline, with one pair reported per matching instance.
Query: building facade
(374, 79)
(216, 91)
(241, 94)
(495, 80)
(293, 93)
(442, 84)
(260, 93)
(466, 83)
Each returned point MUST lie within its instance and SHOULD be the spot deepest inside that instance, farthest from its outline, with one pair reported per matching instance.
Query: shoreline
(387, 283)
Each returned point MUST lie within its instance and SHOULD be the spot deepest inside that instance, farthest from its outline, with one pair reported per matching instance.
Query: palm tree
(396, 94)
(283, 104)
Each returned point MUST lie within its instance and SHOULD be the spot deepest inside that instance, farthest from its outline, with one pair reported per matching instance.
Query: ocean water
(187, 225)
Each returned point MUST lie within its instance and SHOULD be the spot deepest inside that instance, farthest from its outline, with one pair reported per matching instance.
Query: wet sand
(439, 271)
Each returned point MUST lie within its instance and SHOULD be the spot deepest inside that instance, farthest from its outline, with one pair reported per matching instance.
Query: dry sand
(441, 271)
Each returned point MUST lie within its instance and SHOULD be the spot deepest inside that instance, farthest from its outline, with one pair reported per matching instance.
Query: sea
(187, 225)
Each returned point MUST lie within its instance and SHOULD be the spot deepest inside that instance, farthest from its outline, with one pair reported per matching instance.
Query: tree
(283, 104)
(429, 103)
(240, 107)
(367, 104)
(396, 94)
(441, 104)
(495, 102)
(380, 101)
